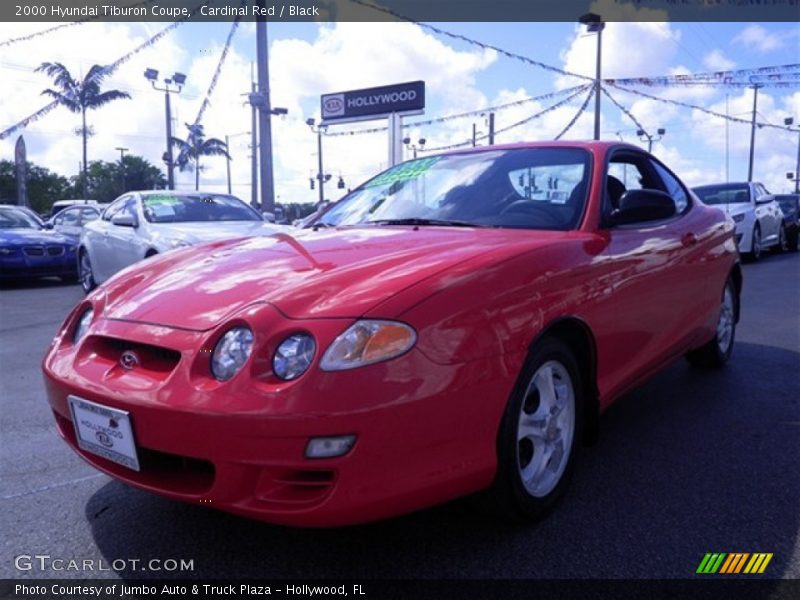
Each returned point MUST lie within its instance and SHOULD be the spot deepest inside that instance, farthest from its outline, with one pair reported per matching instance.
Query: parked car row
(761, 221)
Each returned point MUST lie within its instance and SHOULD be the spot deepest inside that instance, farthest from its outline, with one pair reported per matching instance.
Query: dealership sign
(374, 103)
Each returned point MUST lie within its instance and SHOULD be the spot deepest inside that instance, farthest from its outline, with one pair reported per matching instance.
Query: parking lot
(692, 462)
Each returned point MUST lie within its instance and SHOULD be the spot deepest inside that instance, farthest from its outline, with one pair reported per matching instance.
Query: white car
(758, 216)
(139, 225)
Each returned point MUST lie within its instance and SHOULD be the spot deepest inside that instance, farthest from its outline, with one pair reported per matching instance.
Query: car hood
(736, 208)
(195, 233)
(31, 236)
(325, 274)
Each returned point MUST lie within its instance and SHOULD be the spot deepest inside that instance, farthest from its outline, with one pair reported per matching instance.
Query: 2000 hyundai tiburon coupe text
(456, 323)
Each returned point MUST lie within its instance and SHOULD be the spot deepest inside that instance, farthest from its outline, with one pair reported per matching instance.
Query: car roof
(585, 144)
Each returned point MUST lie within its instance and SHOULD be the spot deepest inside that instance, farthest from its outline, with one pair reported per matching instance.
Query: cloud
(717, 61)
(761, 40)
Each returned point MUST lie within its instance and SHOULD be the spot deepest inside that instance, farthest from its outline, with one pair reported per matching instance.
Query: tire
(783, 244)
(792, 241)
(755, 244)
(538, 438)
(70, 279)
(716, 352)
(85, 272)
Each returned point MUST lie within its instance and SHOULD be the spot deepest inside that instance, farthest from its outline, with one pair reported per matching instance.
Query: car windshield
(726, 193)
(14, 218)
(190, 208)
(528, 188)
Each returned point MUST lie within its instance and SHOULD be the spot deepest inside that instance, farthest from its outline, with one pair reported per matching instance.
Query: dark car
(28, 250)
(790, 205)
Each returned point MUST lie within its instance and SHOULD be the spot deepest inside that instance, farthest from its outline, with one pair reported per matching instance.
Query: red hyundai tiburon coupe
(456, 323)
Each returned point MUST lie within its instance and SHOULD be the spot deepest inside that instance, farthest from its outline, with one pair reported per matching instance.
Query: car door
(768, 221)
(125, 245)
(642, 315)
(96, 240)
(68, 223)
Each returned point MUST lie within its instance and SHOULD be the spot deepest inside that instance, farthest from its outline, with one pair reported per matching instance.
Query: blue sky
(310, 59)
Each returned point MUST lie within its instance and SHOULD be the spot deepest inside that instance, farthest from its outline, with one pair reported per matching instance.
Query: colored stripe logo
(734, 563)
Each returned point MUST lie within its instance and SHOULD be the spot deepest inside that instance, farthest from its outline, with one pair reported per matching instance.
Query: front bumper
(21, 266)
(426, 432)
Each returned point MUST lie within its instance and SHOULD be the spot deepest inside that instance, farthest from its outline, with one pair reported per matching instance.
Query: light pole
(643, 135)
(755, 87)
(122, 152)
(789, 121)
(178, 80)
(321, 177)
(594, 24)
(414, 147)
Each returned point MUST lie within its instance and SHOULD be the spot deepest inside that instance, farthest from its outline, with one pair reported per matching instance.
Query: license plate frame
(104, 431)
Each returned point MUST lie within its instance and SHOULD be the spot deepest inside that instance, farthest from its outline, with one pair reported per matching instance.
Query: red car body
(629, 300)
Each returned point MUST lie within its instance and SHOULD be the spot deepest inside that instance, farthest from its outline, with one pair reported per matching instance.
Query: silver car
(138, 225)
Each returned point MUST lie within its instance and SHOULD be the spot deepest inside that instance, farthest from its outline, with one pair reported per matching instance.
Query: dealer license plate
(104, 431)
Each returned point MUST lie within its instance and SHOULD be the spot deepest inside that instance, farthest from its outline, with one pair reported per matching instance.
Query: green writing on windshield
(157, 199)
(404, 172)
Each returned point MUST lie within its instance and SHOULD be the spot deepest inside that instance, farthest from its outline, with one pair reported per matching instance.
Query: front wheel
(539, 433)
(718, 350)
(755, 244)
(85, 273)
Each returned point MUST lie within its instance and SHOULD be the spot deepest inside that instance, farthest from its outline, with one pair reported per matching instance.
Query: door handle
(689, 239)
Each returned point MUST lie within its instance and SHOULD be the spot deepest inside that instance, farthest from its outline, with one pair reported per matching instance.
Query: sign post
(389, 101)
(21, 160)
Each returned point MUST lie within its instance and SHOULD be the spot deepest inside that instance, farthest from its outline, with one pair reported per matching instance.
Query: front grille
(34, 250)
(55, 250)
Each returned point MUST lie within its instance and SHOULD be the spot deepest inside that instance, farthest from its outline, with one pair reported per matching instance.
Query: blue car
(28, 250)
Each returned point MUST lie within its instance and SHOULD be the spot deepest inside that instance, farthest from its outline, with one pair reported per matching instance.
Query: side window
(88, 215)
(673, 187)
(115, 208)
(68, 218)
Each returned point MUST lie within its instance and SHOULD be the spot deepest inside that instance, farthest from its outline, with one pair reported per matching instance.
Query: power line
(581, 110)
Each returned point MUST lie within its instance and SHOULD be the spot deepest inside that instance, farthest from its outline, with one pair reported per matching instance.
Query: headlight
(368, 342)
(83, 325)
(738, 218)
(231, 352)
(294, 356)
(6, 251)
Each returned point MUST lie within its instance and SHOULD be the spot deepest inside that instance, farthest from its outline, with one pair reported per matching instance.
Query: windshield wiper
(421, 221)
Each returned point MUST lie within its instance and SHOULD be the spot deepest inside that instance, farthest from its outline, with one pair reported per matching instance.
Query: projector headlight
(367, 342)
(83, 325)
(294, 356)
(231, 352)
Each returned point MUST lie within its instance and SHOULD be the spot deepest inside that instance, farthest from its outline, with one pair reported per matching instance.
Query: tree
(44, 186)
(195, 146)
(80, 96)
(104, 180)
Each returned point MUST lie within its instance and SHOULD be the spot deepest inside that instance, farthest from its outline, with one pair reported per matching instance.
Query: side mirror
(764, 199)
(125, 221)
(48, 225)
(638, 206)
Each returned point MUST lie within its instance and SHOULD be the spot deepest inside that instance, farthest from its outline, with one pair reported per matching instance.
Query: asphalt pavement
(692, 462)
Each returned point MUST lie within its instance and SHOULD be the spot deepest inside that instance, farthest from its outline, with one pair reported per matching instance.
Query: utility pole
(789, 122)
(265, 114)
(755, 87)
(474, 135)
(253, 145)
(727, 138)
(594, 24)
(122, 152)
(228, 162)
(321, 178)
(491, 129)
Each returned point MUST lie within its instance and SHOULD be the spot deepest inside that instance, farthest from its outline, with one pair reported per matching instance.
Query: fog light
(330, 447)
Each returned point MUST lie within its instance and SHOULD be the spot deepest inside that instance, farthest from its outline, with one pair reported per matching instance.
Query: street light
(644, 135)
(594, 24)
(178, 80)
(414, 147)
(756, 87)
(321, 177)
(789, 121)
(122, 152)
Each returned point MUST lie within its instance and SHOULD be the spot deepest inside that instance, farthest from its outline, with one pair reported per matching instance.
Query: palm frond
(97, 73)
(60, 74)
(63, 99)
(100, 99)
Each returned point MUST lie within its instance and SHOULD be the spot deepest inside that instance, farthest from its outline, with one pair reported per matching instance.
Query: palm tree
(195, 146)
(80, 95)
